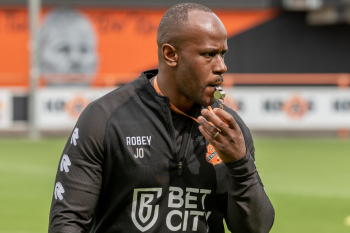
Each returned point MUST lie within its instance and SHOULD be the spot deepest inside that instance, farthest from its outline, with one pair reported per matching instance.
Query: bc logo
(142, 208)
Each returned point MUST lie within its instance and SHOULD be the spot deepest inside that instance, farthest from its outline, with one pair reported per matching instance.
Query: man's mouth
(212, 89)
(211, 86)
(215, 84)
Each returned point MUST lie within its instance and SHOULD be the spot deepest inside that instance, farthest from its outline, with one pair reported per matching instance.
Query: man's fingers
(225, 116)
(209, 128)
(210, 138)
(215, 120)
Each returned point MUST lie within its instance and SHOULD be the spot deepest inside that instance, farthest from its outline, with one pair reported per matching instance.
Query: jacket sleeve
(249, 208)
(79, 174)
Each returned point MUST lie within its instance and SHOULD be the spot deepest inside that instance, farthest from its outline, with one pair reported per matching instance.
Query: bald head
(192, 42)
(174, 22)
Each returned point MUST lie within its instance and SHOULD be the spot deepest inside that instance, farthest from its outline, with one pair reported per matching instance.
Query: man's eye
(222, 55)
(209, 54)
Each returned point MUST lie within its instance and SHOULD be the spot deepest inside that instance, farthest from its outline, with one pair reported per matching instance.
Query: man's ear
(170, 55)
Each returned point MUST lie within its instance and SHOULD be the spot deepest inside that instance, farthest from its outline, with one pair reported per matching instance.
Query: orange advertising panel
(97, 47)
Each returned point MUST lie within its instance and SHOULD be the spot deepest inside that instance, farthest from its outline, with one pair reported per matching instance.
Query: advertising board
(291, 107)
(5, 109)
(59, 108)
(261, 108)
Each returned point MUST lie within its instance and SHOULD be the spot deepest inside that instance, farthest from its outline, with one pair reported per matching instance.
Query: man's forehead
(204, 20)
(204, 29)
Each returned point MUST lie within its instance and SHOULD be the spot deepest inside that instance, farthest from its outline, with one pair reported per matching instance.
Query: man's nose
(220, 67)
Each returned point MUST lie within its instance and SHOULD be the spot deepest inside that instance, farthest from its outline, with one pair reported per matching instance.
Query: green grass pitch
(307, 180)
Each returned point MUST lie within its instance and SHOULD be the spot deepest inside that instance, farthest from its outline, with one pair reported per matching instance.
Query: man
(137, 162)
(68, 48)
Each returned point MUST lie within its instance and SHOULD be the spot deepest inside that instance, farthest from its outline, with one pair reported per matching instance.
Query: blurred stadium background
(288, 78)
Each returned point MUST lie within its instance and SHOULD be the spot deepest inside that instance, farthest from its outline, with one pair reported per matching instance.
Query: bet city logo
(294, 107)
(341, 105)
(145, 210)
(73, 106)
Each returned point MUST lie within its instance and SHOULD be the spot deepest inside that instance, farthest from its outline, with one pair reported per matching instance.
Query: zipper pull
(179, 168)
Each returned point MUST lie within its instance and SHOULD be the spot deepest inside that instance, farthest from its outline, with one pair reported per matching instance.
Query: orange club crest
(212, 156)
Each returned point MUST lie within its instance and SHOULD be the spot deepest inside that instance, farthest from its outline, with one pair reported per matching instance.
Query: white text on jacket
(138, 141)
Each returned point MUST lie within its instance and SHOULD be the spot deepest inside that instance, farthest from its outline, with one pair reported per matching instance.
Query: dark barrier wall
(286, 44)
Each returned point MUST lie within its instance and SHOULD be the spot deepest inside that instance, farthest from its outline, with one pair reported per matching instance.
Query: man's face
(201, 57)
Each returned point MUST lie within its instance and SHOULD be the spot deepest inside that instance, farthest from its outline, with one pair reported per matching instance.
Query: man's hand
(229, 143)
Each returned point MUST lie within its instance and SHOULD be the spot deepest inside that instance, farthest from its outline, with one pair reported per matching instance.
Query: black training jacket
(121, 171)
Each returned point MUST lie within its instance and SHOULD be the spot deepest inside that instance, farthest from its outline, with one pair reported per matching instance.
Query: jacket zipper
(179, 168)
(178, 154)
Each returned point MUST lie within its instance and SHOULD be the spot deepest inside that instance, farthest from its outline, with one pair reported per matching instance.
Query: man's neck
(169, 90)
